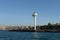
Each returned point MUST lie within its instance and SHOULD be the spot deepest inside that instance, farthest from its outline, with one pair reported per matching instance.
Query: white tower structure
(34, 15)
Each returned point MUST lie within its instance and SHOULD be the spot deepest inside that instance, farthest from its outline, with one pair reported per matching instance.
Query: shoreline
(31, 31)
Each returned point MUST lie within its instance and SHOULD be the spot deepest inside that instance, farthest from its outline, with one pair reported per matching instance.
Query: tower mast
(34, 15)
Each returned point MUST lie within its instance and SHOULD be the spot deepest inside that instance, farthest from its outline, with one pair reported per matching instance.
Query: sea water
(8, 35)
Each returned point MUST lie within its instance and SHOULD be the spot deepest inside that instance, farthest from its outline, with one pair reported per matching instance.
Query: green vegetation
(50, 27)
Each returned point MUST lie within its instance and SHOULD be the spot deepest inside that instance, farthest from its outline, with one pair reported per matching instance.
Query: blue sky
(19, 12)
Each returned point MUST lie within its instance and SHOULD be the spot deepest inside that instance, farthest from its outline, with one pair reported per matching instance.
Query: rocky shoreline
(35, 30)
